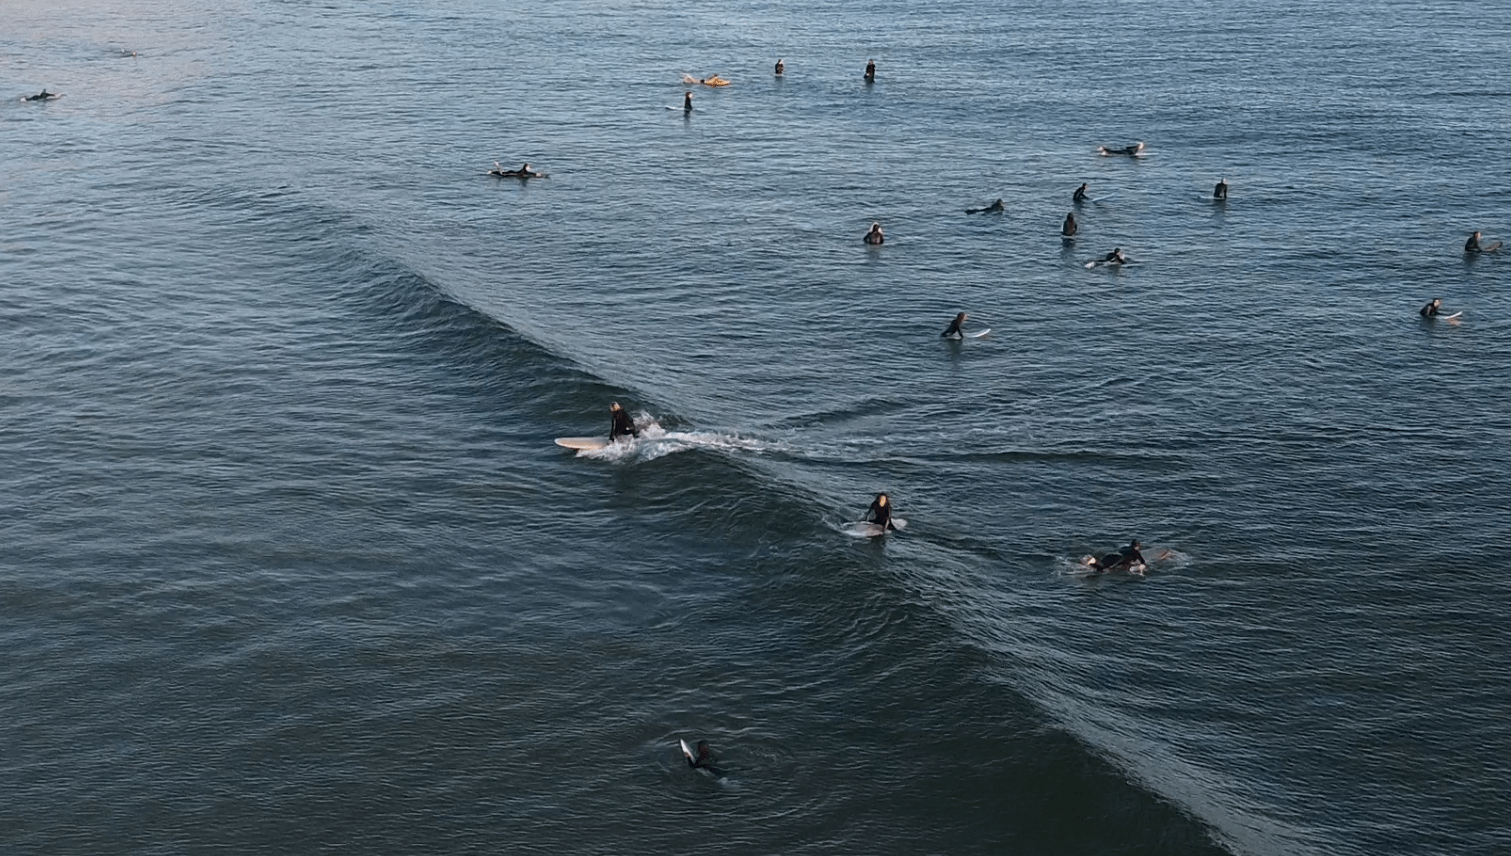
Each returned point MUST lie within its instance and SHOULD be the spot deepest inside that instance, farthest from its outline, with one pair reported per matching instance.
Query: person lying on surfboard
(880, 513)
(994, 208)
(1130, 151)
(523, 172)
(44, 95)
(1122, 560)
(621, 425)
(953, 331)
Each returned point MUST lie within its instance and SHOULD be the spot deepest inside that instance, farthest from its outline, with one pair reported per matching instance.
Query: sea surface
(290, 564)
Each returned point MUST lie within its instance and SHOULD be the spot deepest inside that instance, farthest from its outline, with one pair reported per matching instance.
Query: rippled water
(292, 564)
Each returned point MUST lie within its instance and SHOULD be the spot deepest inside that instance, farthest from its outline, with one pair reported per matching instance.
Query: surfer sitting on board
(953, 331)
(1433, 307)
(1221, 190)
(1473, 245)
(994, 208)
(1080, 194)
(687, 102)
(875, 237)
(880, 513)
(1130, 151)
(1070, 227)
(704, 760)
(870, 70)
(622, 425)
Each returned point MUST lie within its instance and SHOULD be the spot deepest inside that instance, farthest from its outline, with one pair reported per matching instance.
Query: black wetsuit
(1070, 226)
(1220, 191)
(953, 331)
(623, 426)
(687, 102)
(1472, 245)
(881, 515)
(1114, 258)
(1429, 311)
(875, 238)
(870, 71)
(1079, 195)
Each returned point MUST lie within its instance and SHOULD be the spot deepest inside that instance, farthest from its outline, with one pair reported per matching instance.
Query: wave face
(291, 556)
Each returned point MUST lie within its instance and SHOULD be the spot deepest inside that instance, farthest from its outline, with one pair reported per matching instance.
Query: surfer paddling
(994, 208)
(523, 172)
(621, 425)
(874, 237)
(880, 512)
(1127, 151)
(1127, 559)
(44, 95)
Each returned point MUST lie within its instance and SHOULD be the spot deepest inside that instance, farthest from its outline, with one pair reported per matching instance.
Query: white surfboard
(978, 334)
(1453, 316)
(687, 750)
(582, 443)
(866, 529)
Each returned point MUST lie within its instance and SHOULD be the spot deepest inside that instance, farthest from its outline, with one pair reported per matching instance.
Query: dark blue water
(292, 564)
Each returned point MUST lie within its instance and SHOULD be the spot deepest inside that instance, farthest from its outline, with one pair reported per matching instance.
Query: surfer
(621, 424)
(1129, 151)
(705, 758)
(44, 95)
(687, 102)
(1122, 560)
(1473, 245)
(1080, 195)
(994, 208)
(1115, 257)
(870, 71)
(880, 512)
(780, 68)
(1432, 308)
(953, 331)
(1220, 192)
(523, 172)
(1070, 227)
(875, 237)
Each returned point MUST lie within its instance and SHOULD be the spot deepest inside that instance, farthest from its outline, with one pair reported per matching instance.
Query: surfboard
(1493, 248)
(582, 443)
(1453, 316)
(978, 334)
(687, 750)
(866, 529)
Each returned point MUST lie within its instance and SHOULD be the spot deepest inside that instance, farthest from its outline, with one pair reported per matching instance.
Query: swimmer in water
(1070, 227)
(994, 208)
(1129, 151)
(880, 513)
(1221, 190)
(687, 102)
(1080, 195)
(621, 425)
(780, 68)
(953, 331)
(1115, 257)
(870, 70)
(875, 237)
(1433, 307)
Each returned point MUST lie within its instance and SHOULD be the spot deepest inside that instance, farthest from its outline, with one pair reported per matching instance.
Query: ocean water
(292, 565)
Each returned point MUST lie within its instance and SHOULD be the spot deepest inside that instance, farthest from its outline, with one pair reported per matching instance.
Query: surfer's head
(881, 499)
(1135, 544)
(614, 405)
(961, 317)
